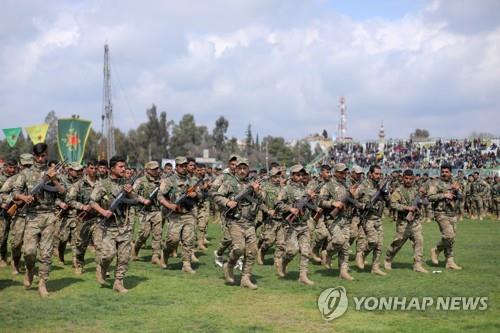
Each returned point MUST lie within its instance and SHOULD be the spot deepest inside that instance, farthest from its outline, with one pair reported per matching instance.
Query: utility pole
(107, 129)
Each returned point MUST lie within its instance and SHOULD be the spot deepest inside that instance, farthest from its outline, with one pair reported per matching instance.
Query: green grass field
(171, 301)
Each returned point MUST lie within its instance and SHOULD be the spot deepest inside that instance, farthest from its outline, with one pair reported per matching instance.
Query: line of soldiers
(98, 205)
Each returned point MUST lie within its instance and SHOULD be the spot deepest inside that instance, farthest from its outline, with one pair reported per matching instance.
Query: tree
(51, 138)
(325, 134)
(219, 136)
(185, 137)
(419, 134)
(248, 140)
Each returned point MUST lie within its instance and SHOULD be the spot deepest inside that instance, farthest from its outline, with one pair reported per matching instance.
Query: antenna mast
(343, 121)
(107, 108)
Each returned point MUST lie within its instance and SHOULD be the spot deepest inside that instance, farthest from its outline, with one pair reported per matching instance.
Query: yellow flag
(37, 133)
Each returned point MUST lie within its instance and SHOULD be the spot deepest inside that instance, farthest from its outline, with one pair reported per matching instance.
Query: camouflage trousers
(477, 205)
(180, 230)
(374, 232)
(496, 206)
(5, 224)
(85, 231)
(268, 234)
(339, 242)
(38, 236)
(448, 228)
(357, 233)
(225, 242)
(203, 214)
(298, 240)
(280, 241)
(65, 230)
(114, 241)
(151, 223)
(244, 243)
(405, 231)
(16, 237)
(319, 234)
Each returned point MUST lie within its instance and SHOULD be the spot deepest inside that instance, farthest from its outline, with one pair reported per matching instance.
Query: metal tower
(343, 121)
(107, 108)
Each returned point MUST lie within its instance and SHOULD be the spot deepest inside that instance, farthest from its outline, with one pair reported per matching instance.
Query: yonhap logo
(332, 303)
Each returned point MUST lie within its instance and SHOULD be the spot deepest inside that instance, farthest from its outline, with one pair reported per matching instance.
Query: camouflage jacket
(402, 199)
(144, 186)
(289, 195)
(225, 176)
(436, 190)
(6, 188)
(479, 187)
(364, 194)
(79, 195)
(334, 190)
(270, 194)
(495, 189)
(27, 179)
(173, 187)
(246, 210)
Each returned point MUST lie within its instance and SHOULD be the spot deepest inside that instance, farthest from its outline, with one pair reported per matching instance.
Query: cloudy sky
(280, 65)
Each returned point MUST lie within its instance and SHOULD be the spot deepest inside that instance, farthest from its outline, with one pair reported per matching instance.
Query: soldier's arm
(19, 188)
(434, 194)
(396, 202)
(163, 196)
(221, 197)
(73, 191)
(96, 196)
(282, 202)
(325, 198)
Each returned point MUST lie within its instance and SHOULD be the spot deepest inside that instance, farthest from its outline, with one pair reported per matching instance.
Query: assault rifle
(415, 204)
(305, 201)
(184, 200)
(382, 192)
(245, 194)
(345, 200)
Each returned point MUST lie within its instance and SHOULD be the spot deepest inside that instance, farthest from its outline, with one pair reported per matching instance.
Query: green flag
(72, 136)
(11, 135)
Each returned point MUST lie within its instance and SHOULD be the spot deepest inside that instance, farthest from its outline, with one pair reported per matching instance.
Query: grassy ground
(171, 301)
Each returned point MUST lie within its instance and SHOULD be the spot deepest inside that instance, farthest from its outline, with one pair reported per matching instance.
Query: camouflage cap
(341, 167)
(297, 168)
(26, 159)
(181, 160)
(151, 165)
(358, 169)
(275, 171)
(75, 166)
(233, 156)
(241, 160)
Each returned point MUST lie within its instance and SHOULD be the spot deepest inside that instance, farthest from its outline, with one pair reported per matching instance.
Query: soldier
(443, 194)
(182, 220)
(102, 169)
(40, 217)
(66, 217)
(372, 225)
(333, 199)
(241, 221)
(272, 221)
(356, 233)
(468, 197)
(461, 181)
(317, 223)
(151, 219)
(226, 175)
(78, 198)
(203, 207)
(496, 196)
(478, 190)
(116, 228)
(406, 201)
(297, 237)
(8, 171)
(167, 170)
(18, 220)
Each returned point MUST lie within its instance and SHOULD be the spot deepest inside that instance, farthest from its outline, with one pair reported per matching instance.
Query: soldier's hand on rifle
(192, 194)
(271, 212)
(63, 205)
(27, 198)
(4, 206)
(107, 213)
(87, 208)
(448, 195)
(127, 188)
(51, 173)
(231, 204)
(412, 208)
(311, 194)
(147, 202)
(337, 204)
(255, 186)
(294, 211)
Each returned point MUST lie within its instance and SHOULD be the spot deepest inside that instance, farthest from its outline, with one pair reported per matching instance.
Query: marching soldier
(9, 170)
(318, 225)
(406, 201)
(151, 219)
(40, 218)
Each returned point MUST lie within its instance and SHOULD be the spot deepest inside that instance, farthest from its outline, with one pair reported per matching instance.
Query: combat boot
(344, 273)
(284, 265)
(201, 245)
(278, 264)
(247, 283)
(304, 279)
(377, 271)
(435, 256)
(450, 264)
(42, 288)
(28, 279)
(74, 263)
(135, 253)
(360, 260)
(228, 272)
(316, 258)
(186, 267)
(156, 260)
(118, 286)
(326, 259)
(78, 270)
(3, 263)
(60, 254)
(259, 259)
(417, 267)
(194, 259)
(15, 267)
(100, 275)
(388, 264)
(206, 241)
(163, 263)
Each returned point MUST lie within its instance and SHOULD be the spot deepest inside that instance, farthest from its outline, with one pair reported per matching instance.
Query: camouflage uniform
(241, 224)
(203, 210)
(339, 226)
(478, 190)
(5, 221)
(356, 233)
(151, 218)
(79, 196)
(225, 241)
(115, 234)
(40, 221)
(372, 226)
(180, 224)
(401, 200)
(445, 213)
(271, 225)
(495, 189)
(317, 225)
